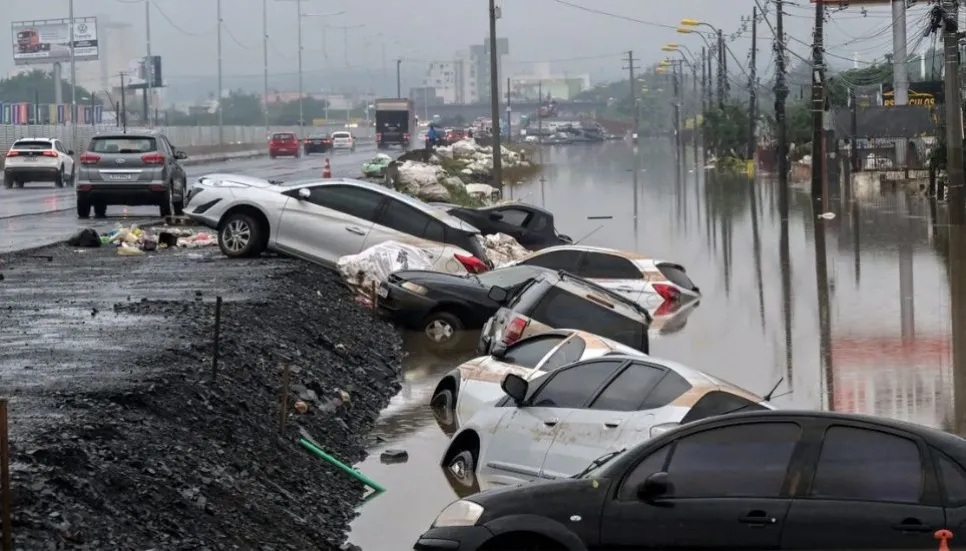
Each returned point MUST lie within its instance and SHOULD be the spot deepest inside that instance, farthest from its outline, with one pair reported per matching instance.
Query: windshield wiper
(598, 462)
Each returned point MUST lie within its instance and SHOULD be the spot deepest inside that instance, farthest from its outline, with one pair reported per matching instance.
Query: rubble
(365, 270)
(503, 249)
(134, 241)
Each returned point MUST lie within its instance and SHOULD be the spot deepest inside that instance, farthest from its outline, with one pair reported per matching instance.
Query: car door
(587, 433)
(512, 221)
(401, 222)
(729, 490)
(870, 489)
(521, 440)
(333, 222)
(952, 480)
(617, 274)
(560, 259)
(178, 175)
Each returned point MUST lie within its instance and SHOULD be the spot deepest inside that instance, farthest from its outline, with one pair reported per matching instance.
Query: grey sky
(434, 29)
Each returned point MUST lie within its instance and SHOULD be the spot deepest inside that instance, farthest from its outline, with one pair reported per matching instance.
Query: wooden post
(6, 492)
(283, 411)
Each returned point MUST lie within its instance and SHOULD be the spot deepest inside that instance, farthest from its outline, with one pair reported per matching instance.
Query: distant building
(479, 60)
(117, 46)
(529, 86)
(447, 78)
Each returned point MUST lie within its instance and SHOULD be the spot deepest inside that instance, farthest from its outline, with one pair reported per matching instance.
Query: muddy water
(882, 348)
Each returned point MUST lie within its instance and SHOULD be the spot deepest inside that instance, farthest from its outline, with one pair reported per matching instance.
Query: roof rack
(607, 292)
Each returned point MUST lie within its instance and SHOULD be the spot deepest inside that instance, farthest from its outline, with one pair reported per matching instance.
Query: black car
(752, 480)
(317, 143)
(533, 227)
(442, 306)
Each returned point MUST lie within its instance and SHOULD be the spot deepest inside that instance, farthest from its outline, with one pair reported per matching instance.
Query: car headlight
(459, 513)
(414, 287)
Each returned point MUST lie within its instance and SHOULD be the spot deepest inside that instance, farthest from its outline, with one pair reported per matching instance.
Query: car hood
(431, 278)
(585, 497)
(489, 370)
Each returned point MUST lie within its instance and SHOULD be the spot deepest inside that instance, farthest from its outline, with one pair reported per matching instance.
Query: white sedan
(475, 383)
(556, 426)
(324, 220)
(645, 280)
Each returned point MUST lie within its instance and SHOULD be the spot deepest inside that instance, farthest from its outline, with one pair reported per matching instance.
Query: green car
(376, 168)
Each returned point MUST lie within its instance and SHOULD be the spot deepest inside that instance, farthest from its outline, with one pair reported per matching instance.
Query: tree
(240, 109)
(37, 86)
(287, 114)
(726, 131)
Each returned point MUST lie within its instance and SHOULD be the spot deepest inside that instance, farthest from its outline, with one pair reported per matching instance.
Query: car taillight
(308, 141)
(49, 153)
(89, 159)
(13, 154)
(153, 159)
(666, 308)
(378, 135)
(472, 264)
(406, 136)
(666, 291)
(514, 330)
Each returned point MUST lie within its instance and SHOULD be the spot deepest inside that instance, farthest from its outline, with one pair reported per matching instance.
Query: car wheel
(442, 330)
(100, 210)
(240, 236)
(165, 207)
(73, 177)
(443, 404)
(462, 468)
(83, 207)
(21, 184)
(59, 179)
(8, 181)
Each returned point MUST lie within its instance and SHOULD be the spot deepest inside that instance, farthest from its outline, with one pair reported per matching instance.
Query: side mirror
(655, 486)
(180, 155)
(70, 151)
(498, 352)
(305, 193)
(515, 387)
(661, 428)
(496, 216)
(498, 294)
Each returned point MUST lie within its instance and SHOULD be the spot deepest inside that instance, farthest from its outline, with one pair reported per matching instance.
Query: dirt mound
(147, 452)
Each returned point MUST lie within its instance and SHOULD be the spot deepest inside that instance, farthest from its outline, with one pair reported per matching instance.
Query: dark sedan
(317, 143)
(532, 226)
(443, 307)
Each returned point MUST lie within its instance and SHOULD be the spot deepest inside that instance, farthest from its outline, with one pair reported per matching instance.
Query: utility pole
(721, 70)
(509, 127)
(123, 113)
(781, 94)
(900, 69)
(818, 103)
(695, 111)
(753, 84)
(73, 80)
(265, 62)
(854, 127)
(221, 112)
(954, 116)
(495, 100)
(704, 80)
(398, 78)
(630, 75)
(676, 83)
(539, 110)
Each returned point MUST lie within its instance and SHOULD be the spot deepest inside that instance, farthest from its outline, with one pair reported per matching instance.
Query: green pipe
(342, 466)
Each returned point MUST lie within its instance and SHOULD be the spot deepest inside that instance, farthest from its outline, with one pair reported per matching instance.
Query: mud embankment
(120, 437)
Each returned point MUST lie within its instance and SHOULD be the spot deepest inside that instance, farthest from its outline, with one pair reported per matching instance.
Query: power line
(171, 22)
(614, 15)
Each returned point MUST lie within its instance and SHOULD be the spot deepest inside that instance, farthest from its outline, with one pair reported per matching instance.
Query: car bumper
(288, 151)
(462, 538)
(343, 146)
(140, 194)
(404, 307)
(31, 173)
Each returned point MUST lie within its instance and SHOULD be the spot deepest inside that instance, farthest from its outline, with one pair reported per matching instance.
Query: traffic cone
(943, 536)
(327, 169)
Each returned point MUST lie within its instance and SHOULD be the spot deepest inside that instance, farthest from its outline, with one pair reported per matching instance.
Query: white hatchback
(38, 160)
(343, 140)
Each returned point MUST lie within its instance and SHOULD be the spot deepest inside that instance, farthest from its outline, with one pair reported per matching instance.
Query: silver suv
(132, 170)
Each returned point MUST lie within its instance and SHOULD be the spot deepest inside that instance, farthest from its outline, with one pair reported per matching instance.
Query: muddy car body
(556, 425)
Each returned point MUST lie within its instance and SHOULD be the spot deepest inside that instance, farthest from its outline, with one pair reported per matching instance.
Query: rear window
(562, 310)
(719, 402)
(676, 275)
(33, 144)
(283, 136)
(123, 145)
(341, 135)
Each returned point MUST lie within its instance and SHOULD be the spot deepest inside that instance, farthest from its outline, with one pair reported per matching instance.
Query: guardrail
(180, 136)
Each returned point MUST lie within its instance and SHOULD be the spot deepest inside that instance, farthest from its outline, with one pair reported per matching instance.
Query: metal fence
(887, 138)
(180, 136)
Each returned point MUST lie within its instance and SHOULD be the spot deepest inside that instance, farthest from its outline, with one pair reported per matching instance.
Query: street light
(722, 63)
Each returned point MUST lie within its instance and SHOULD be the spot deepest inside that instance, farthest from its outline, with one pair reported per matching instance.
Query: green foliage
(242, 109)
(726, 131)
(38, 86)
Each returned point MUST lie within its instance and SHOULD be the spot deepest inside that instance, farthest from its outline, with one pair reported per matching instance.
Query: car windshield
(317, 137)
(341, 135)
(283, 136)
(507, 277)
(32, 145)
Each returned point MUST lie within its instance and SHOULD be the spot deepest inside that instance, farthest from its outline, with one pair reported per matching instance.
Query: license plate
(30, 159)
(119, 177)
(382, 291)
(317, 142)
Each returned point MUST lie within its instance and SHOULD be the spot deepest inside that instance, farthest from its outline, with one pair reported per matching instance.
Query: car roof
(697, 378)
(341, 132)
(435, 212)
(587, 248)
(523, 206)
(238, 178)
(119, 136)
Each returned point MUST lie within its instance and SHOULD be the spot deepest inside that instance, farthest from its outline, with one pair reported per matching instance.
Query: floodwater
(877, 342)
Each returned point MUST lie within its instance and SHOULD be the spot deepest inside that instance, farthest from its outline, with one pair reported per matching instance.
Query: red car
(283, 144)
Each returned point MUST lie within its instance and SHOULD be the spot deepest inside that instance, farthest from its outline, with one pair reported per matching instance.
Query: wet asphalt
(886, 339)
(40, 214)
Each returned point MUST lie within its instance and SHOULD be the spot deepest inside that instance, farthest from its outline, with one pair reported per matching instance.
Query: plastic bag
(373, 265)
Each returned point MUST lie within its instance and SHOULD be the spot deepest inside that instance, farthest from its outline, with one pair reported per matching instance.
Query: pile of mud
(120, 438)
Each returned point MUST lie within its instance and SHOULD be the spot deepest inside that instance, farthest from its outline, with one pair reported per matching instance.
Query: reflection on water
(852, 312)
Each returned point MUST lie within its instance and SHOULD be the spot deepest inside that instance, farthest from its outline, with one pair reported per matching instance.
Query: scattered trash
(301, 407)
(87, 237)
(376, 168)
(134, 238)
(394, 456)
(503, 249)
(827, 216)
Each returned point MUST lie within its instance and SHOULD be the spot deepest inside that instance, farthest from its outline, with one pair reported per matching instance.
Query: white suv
(343, 140)
(38, 160)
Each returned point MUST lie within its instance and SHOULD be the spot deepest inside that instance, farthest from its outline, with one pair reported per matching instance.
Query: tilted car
(554, 426)
(756, 480)
(645, 280)
(556, 300)
(466, 389)
(324, 220)
(531, 226)
(38, 160)
(443, 307)
(131, 169)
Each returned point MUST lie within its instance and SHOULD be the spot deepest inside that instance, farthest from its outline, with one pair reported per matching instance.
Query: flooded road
(877, 343)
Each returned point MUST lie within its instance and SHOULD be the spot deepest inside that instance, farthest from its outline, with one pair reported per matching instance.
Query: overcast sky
(576, 40)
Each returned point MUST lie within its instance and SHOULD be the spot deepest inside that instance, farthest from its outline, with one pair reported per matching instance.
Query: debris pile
(134, 241)
(364, 271)
(477, 160)
(503, 249)
(376, 167)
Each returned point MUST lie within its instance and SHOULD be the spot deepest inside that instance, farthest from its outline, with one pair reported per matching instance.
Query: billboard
(48, 41)
(920, 93)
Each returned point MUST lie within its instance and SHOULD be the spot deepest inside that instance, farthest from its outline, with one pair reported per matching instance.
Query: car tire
(8, 181)
(462, 468)
(240, 236)
(59, 179)
(165, 207)
(73, 177)
(83, 207)
(442, 330)
(100, 210)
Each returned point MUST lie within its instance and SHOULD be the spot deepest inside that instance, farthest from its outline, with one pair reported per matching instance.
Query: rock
(434, 192)
(394, 456)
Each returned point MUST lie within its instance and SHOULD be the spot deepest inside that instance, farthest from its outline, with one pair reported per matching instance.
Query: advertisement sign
(920, 93)
(48, 41)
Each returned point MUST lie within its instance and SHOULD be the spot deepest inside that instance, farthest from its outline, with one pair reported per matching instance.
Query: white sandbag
(502, 249)
(373, 265)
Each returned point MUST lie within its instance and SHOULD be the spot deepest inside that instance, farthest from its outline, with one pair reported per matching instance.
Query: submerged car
(442, 307)
(466, 389)
(532, 227)
(323, 220)
(644, 280)
(555, 426)
(756, 480)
